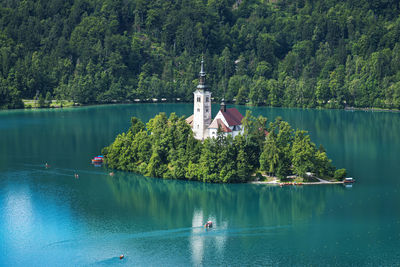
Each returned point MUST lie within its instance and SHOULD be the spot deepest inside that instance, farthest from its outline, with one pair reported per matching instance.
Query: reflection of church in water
(229, 121)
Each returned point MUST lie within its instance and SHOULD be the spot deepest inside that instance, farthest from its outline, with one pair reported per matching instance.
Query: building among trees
(228, 121)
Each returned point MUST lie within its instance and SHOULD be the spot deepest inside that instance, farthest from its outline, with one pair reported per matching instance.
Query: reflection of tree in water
(176, 202)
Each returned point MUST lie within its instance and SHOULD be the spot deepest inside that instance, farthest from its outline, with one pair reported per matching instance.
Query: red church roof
(219, 124)
(266, 133)
(189, 120)
(232, 116)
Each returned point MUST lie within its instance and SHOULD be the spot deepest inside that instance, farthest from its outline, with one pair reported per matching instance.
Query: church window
(198, 110)
(207, 99)
(198, 99)
(206, 109)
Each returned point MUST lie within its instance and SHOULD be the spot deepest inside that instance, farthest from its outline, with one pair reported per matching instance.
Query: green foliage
(167, 148)
(340, 174)
(48, 99)
(42, 102)
(136, 125)
(322, 164)
(270, 156)
(303, 153)
(277, 53)
(286, 152)
(9, 95)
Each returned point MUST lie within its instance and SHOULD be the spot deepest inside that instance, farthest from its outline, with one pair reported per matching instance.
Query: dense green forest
(294, 53)
(165, 147)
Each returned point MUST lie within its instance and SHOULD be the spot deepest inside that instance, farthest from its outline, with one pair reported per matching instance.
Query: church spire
(202, 77)
(223, 106)
(202, 72)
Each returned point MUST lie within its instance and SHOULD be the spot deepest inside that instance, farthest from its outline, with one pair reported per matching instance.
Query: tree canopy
(166, 148)
(298, 53)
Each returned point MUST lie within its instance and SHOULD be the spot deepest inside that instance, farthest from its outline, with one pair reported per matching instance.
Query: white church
(229, 121)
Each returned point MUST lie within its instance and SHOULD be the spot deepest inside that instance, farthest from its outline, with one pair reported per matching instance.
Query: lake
(49, 218)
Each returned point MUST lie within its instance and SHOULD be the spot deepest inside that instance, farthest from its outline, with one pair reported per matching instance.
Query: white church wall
(202, 113)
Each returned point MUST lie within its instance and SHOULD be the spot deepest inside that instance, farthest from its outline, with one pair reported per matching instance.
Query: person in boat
(208, 224)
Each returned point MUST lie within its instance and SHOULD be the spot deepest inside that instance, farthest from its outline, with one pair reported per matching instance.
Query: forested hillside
(303, 53)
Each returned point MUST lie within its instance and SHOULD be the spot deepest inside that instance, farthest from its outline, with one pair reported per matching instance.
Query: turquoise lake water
(49, 218)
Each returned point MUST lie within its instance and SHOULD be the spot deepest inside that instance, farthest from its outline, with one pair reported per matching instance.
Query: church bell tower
(202, 107)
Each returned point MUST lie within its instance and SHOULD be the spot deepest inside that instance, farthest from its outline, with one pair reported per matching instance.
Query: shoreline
(180, 100)
(372, 109)
(277, 183)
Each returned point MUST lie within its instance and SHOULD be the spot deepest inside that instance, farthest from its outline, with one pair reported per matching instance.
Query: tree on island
(165, 147)
(302, 153)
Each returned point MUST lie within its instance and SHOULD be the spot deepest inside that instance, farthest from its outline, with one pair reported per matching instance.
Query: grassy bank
(30, 103)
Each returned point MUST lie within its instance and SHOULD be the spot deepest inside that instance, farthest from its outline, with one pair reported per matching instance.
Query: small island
(229, 148)
(166, 148)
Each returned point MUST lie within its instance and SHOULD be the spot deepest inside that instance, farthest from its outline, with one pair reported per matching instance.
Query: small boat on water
(98, 160)
(349, 180)
(208, 224)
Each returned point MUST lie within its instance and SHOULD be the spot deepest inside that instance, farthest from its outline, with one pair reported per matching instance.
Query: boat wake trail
(216, 231)
(41, 169)
(110, 261)
(62, 242)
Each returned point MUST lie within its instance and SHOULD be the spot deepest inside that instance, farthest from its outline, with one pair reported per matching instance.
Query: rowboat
(98, 160)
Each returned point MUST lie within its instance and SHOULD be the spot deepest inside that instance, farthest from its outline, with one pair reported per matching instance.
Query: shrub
(340, 174)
